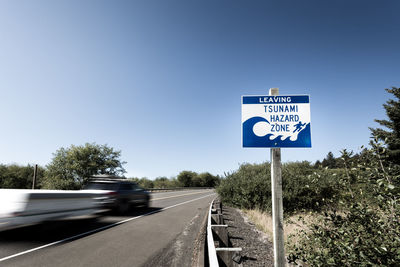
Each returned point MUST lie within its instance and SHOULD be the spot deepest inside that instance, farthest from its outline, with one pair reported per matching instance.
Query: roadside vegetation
(346, 210)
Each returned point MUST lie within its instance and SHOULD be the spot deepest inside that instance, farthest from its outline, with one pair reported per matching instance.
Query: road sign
(276, 121)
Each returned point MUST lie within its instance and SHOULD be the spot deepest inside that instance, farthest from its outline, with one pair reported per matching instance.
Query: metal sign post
(277, 201)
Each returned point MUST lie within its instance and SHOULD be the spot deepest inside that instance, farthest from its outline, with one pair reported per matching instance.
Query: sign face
(276, 121)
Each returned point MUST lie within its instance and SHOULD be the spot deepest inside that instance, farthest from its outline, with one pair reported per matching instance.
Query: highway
(162, 235)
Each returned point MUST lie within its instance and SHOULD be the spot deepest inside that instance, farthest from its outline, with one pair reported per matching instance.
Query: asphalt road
(162, 235)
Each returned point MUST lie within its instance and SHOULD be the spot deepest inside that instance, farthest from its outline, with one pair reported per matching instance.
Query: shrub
(304, 188)
(302, 191)
(362, 236)
(248, 188)
(367, 231)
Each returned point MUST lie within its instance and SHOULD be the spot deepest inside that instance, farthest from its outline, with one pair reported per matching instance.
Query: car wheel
(123, 206)
(146, 204)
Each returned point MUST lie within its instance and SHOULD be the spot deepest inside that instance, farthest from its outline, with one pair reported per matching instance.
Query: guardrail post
(221, 233)
(225, 258)
(227, 255)
(220, 252)
(217, 218)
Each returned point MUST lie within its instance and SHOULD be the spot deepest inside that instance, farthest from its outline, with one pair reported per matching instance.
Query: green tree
(329, 161)
(175, 183)
(71, 167)
(186, 178)
(317, 164)
(146, 183)
(197, 181)
(208, 180)
(161, 182)
(391, 136)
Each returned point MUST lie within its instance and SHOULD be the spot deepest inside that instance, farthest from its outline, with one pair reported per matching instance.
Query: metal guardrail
(212, 253)
(219, 251)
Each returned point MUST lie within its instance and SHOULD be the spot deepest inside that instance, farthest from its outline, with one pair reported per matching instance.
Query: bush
(304, 188)
(162, 182)
(143, 182)
(367, 231)
(249, 187)
(362, 236)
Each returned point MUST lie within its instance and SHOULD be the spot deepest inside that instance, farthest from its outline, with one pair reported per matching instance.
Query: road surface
(162, 235)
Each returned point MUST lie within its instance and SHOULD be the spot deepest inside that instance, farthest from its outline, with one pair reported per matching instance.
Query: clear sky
(162, 80)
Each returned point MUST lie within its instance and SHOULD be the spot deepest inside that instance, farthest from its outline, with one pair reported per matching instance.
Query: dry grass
(263, 222)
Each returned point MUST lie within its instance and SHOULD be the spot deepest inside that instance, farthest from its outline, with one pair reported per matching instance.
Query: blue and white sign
(276, 121)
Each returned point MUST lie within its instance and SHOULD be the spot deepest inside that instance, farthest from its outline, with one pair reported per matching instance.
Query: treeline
(354, 199)
(184, 179)
(72, 167)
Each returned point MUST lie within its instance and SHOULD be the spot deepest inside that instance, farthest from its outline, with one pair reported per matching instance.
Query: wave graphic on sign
(250, 139)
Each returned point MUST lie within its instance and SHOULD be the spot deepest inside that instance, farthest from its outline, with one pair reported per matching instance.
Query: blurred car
(121, 194)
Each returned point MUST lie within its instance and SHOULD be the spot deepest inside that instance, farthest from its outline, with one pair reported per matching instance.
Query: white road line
(178, 195)
(98, 229)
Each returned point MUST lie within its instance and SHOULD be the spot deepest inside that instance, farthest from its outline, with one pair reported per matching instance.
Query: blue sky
(162, 80)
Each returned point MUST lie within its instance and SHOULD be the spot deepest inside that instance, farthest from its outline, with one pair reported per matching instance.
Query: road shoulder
(186, 248)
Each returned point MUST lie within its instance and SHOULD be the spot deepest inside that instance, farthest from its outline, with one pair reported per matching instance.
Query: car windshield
(102, 186)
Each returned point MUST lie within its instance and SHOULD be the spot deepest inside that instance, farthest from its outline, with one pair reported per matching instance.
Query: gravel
(257, 249)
